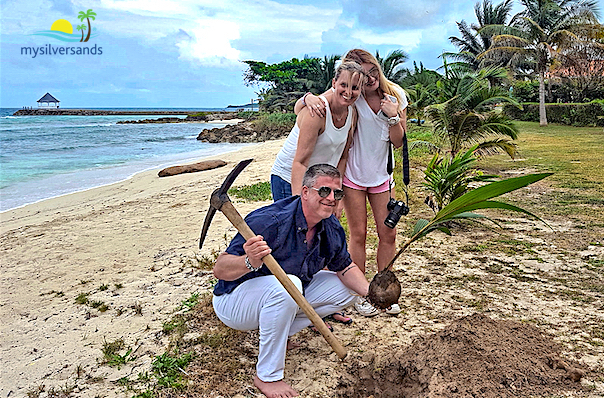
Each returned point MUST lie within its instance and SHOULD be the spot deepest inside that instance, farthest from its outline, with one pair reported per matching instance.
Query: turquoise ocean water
(47, 156)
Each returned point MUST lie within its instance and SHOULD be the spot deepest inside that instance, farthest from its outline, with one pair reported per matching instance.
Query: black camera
(397, 209)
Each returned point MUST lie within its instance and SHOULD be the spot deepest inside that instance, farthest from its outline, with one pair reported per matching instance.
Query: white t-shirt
(368, 153)
(328, 148)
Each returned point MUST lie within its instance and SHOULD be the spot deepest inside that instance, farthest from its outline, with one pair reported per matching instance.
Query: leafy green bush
(586, 114)
(247, 115)
(526, 91)
(198, 114)
(275, 120)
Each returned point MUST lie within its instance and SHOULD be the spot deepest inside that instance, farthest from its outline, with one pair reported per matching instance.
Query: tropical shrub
(274, 121)
(589, 114)
(526, 91)
(467, 116)
(447, 178)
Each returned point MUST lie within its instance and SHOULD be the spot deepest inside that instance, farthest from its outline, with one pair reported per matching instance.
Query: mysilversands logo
(62, 30)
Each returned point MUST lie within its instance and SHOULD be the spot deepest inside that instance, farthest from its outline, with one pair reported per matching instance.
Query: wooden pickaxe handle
(235, 218)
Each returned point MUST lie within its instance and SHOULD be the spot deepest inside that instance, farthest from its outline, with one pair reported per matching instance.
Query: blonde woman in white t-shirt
(382, 119)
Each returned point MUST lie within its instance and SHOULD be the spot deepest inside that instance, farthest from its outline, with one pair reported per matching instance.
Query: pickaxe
(220, 201)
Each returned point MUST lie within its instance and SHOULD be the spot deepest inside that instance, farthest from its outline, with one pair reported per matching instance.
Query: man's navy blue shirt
(283, 226)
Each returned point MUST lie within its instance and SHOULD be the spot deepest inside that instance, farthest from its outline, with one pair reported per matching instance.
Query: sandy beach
(129, 245)
(132, 246)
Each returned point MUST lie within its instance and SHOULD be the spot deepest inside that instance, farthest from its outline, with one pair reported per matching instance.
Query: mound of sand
(474, 356)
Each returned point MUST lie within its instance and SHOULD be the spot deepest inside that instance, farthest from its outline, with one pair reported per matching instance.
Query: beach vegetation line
(260, 191)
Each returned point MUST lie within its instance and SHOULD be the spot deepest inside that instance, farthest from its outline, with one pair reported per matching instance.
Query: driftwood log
(191, 168)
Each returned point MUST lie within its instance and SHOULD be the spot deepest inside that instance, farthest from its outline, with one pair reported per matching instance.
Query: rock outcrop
(242, 132)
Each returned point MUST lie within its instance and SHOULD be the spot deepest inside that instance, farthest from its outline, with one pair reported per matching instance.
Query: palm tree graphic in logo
(62, 29)
(87, 15)
(82, 28)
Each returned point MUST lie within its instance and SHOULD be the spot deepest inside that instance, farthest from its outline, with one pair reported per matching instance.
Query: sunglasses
(324, 192)
(374, 73)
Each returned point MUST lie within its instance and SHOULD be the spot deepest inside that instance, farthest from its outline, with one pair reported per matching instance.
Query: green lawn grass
(576, 157)
(574, 154)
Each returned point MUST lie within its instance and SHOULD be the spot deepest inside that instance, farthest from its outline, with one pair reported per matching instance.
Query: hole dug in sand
(474, 356)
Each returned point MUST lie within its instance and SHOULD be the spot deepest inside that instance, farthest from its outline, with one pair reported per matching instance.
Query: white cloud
(146, 7)
(207, 33)
(407, 40)
(209, 43)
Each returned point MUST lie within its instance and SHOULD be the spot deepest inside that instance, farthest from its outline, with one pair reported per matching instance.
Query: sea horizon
(44, 157)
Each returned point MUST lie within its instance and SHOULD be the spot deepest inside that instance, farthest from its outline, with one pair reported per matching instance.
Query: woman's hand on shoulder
(315, 105)
(309, 124)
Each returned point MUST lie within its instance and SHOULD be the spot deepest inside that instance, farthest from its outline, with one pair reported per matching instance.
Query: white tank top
(368, 155)
(328, 148)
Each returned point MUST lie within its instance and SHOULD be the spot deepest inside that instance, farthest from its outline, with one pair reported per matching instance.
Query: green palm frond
(497, 146)
(477, 199)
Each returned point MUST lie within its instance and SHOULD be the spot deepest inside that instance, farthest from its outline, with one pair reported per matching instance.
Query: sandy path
(129, 245)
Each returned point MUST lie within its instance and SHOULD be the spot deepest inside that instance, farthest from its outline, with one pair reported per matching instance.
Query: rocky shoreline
(243, 132)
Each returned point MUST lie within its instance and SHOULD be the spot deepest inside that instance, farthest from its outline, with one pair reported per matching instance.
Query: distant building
(48, 101)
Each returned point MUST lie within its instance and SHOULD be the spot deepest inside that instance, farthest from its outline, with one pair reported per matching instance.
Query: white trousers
(263, 303)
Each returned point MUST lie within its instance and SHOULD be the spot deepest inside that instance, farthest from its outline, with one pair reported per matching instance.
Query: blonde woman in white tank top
(315, 135)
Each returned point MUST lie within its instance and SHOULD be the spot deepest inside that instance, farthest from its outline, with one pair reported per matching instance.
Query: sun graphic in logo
(62, 25)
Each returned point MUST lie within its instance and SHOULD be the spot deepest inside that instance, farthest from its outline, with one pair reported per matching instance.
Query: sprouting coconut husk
(384, 289)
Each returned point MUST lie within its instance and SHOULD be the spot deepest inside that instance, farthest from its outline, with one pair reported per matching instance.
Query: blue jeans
(280, 188)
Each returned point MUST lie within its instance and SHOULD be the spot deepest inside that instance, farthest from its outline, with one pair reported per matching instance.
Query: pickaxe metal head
(219, 197)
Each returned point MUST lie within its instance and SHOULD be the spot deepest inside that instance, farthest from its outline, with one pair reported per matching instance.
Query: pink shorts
(379, 189)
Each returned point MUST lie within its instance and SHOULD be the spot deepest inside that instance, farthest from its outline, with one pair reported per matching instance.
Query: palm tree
(87, 15)
(468, 118)
(420, 86)
(82, 28)
(447, 178)
(537, 34)
(420, 75)
(420, 97)
(325, 70)
(473, 41)
(391, 65)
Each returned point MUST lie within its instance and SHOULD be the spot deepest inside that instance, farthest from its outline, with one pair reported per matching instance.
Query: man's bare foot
(292, 344)
(275, 389)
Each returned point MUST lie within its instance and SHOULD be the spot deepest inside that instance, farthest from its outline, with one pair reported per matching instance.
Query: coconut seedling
(385, 288)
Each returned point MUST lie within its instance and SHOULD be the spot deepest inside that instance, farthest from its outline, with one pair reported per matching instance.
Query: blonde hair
(354, 68)
(364, 57)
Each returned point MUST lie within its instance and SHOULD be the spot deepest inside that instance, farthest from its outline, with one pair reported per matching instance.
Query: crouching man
(304, 237)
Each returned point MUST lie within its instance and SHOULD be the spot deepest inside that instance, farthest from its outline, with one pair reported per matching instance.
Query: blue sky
(188, 53)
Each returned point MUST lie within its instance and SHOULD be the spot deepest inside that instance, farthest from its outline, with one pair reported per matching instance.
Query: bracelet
(304, 98)
(250, 266)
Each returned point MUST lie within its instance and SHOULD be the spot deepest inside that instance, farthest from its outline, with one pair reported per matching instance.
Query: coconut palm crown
(539, 33)
(473, 41)
(467, 118)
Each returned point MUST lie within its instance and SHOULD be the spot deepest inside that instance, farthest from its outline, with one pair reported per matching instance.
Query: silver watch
(394, 120)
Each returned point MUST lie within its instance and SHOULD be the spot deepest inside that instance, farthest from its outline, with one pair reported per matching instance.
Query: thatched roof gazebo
(47, 100)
